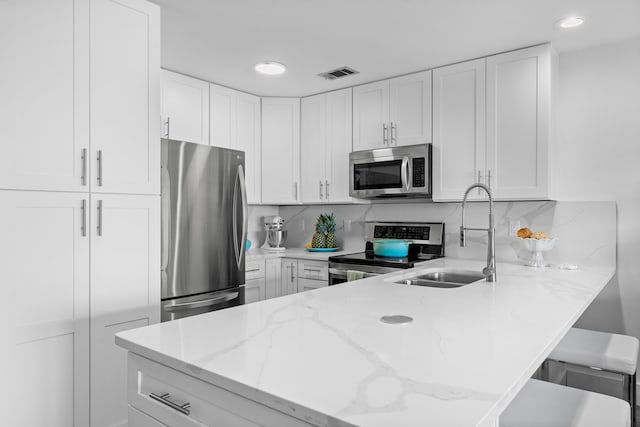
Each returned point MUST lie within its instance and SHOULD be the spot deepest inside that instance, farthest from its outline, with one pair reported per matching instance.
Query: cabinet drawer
(309, 284)
(254, 269)
(209, 405)
(140, 419)
(318, 270)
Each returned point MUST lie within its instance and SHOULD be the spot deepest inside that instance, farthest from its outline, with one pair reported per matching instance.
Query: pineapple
(330, 227)
(319, 239)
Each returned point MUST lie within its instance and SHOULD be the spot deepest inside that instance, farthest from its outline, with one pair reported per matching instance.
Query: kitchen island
(324, 357)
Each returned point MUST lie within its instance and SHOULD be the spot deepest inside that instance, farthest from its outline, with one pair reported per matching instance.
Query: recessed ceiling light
(271, 68)
(571, 22)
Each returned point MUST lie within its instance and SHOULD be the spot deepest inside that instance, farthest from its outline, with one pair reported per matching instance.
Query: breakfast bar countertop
(325, 357)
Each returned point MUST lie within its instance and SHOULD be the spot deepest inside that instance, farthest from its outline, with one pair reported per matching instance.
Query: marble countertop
(325, 357)
(299, 253)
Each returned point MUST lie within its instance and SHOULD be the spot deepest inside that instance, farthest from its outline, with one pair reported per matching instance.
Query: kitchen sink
(443, 278)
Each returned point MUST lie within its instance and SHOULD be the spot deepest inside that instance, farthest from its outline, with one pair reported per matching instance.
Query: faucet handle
(463, 237)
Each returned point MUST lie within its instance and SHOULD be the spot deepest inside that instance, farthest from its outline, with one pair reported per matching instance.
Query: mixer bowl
(276, 238)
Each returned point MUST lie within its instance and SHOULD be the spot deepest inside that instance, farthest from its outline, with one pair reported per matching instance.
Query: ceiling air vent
(338, 72)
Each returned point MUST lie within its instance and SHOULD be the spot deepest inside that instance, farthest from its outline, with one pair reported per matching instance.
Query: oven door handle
(342, 274)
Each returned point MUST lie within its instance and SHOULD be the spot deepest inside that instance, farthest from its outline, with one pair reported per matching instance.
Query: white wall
(598, 141)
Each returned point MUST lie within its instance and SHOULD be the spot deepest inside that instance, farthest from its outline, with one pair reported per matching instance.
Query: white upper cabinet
(125, 92)
(392, 112)
(248, 140)
(508, 98)
(280, 150)
(222, 122)
(184, 106)
(326, 140)
(410, 111)
(458, 128)
(44, 92)
(371, 116)
(519, 97)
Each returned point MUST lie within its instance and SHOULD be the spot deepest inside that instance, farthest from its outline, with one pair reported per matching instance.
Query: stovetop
(368, 258)
(426, 243)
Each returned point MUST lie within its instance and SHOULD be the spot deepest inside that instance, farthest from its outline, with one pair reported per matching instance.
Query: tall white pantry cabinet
(79, 203)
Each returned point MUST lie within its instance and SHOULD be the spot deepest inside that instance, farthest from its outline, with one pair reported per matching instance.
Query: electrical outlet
(514, 226)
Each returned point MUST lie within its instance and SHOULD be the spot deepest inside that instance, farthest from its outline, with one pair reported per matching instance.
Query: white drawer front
(140, 419)
(254, 270)
(318, 270)
(209, 405)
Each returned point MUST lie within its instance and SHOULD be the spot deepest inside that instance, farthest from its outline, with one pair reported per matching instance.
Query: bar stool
(543, 404)
(600, 351)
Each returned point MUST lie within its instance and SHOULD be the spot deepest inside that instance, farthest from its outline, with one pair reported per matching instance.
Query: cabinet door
(309, 284)
(222, 102)
(125, 292)
(44, 92)
(44, 259)
(289, 283)
(280, 150)
(273, 276)
(254, 290)
(184, 105)
(518, 116)
(140, 419)
(339, 138)
(125, 91)
(248, 140)
(313, 146)
(458, 129)
(410, 109)
(371, 116)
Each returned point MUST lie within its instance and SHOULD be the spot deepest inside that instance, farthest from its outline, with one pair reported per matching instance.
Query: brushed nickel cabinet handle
(326, 190)
(99, 227)
(83, 218)
(394, 133)
(83, 177)
(385, 137)
(165, 399)
(99, 178)
(320, 190)
(489, 178)
(168, 126)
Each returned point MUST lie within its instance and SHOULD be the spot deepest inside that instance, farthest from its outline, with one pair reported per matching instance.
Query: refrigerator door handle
(199, 304)
(239, 246)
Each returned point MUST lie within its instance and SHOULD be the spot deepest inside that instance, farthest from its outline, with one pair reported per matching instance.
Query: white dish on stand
(537, 247)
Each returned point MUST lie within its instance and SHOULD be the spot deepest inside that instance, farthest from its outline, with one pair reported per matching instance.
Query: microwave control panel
(419, 172)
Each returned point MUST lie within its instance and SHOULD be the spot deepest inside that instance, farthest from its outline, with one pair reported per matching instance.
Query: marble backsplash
(586, 230)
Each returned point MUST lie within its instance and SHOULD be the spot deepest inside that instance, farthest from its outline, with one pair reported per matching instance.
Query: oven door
(400, 171)
(340, 276)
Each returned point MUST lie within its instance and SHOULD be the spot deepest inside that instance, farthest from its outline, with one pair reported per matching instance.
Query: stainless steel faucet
(490, 270)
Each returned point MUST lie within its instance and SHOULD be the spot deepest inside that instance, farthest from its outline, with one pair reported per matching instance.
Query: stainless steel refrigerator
(204, 228)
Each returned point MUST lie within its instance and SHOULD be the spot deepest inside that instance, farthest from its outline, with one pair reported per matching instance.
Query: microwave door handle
(404, 174)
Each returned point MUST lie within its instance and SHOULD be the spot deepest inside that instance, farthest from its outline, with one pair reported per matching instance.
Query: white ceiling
(221, 40)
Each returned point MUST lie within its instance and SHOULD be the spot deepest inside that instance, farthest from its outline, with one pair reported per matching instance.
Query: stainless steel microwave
(391, 172)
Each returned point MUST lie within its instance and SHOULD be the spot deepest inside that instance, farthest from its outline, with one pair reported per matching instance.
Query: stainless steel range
(427, 242)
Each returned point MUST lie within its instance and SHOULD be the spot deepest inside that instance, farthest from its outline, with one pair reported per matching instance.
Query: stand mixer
(276, 236)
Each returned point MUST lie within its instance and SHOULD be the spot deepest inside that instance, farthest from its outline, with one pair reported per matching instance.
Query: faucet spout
(490, 270)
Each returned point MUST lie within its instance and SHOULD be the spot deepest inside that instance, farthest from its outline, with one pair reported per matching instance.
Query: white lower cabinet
(209, 405)
(312, 274)
(125, 292)
(44, 259)
(140, 419)
(255, 282)
(273, 275)
(289, 282)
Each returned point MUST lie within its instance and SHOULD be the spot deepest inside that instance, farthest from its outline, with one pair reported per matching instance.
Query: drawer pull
(166, 400)
(252, 270)
(312, 269)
